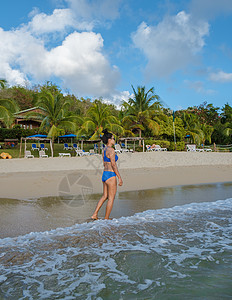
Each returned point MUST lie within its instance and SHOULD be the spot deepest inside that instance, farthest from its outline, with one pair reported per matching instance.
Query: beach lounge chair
(28, 154)
(119, 149)
(67, 147)
(158, 148)
(102, 147)
(34, 147)
(92, 152)
(81, 153)
(149, 149)
(42, 154)
(124, 148)
(192, 148)
(75, 147)
(42, 147)
(207, 150)
(64, 154)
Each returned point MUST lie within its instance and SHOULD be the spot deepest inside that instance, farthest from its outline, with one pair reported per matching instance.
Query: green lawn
(14, 152)
(58, 148)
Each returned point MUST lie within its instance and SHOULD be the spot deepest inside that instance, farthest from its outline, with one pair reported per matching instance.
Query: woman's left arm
(114, 166)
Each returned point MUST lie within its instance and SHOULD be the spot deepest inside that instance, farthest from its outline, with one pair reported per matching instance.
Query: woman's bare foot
(94, 217)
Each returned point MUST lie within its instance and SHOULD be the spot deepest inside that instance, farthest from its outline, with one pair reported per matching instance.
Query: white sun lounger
(149, 149)
(119, 149)
(81, 153)
(42, 154)
(28, 154)
(158, 148)
(92, 152)
(64, 154)
(192, 148)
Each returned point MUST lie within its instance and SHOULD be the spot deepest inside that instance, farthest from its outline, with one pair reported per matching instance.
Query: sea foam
(155, 252)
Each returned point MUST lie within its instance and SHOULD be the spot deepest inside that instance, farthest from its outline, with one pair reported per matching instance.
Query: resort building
(28, 122)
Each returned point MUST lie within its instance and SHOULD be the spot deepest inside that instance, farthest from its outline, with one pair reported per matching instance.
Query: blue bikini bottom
(107, 174)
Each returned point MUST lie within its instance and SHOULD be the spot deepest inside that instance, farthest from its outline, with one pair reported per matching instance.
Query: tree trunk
(140, 133)
(53, 143)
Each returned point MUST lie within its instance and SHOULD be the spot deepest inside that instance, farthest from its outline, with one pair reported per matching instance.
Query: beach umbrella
(67, 136)
(37, 136)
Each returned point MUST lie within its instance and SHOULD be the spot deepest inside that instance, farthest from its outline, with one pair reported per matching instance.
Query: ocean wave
(159, 215)
(156, 252)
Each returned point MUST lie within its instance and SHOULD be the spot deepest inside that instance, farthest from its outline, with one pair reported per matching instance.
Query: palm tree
(192, 127)
(141, 109)
(7, 109)
(98, 117)
(207, 131)
(3, 83)
(55, 114)
(222, 133)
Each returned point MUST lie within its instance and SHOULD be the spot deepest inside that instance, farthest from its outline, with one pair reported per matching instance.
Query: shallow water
(18, 217)
(180, 252)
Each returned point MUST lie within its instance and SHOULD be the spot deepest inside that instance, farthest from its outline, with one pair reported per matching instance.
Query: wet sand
(19, 217)
(42, 194)
(28, 178)
(42, 184)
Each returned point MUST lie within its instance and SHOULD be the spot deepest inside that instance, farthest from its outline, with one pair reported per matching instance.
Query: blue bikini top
(108, 159)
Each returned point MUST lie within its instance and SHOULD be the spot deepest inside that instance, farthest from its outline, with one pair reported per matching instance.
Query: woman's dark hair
(107, 135)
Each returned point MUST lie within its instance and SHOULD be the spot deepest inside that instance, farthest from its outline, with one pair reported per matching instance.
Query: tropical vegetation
(98, 117)
(54, 114)
(142, 115)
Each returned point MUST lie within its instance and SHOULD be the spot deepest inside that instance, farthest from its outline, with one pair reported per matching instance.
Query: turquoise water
(180, 252)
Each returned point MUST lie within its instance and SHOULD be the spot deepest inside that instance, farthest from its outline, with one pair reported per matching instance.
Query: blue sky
(100, 48)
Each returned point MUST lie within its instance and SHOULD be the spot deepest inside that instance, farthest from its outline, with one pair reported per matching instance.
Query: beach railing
(224, 148)
(209, 148)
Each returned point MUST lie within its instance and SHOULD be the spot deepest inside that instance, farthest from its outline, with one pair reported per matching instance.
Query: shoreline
(43, 194)
(56, 183)
(30, 178)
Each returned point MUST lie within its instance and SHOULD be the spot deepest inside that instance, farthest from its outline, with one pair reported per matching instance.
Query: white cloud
(78, 62)
(13, 76)
(221, 77)
(35, 11)
(208, 9)
(22, 53)
(117, 98)
(99, 10)
(82, 66)
(198, 86)
(172, 44)
(59, 20)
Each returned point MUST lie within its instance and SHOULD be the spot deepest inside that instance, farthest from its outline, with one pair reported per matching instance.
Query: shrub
(16, 133)
(180, 146)
(139, 148)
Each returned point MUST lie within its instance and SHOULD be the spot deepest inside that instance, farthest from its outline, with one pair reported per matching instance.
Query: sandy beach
(28, 178)
(167, 209)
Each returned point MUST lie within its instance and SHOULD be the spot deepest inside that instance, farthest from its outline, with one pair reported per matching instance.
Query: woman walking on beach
(109, 175)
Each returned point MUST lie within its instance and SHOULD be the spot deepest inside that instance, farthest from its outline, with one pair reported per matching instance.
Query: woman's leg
(112, 189)
(101, 201)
